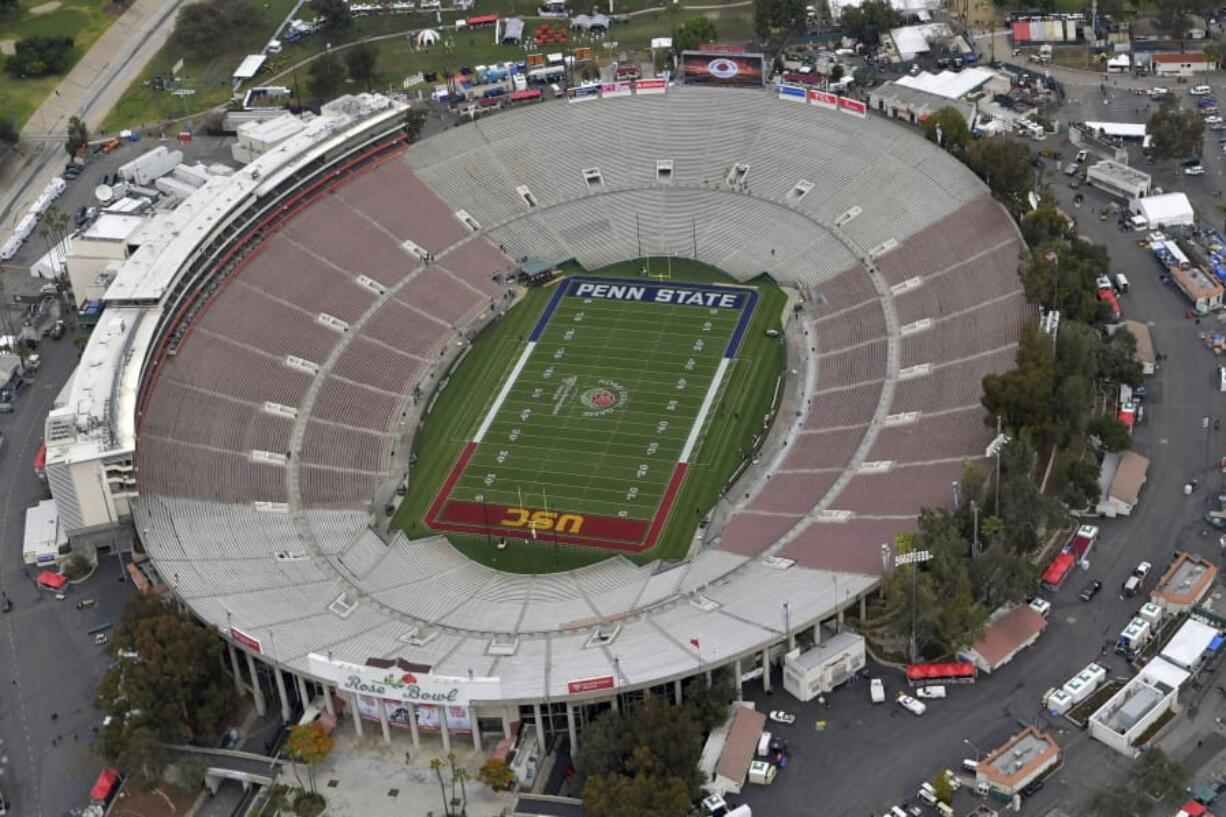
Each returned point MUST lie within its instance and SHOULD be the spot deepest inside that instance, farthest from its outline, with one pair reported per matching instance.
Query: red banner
(249, 641)
(824, 99)
(589, 684)
(650, 86)
(853, 106)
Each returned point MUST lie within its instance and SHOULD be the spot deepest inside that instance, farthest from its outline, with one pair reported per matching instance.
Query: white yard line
(502, 394)
(692, 440)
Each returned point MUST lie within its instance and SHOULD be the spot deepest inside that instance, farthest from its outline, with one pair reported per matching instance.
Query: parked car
(1194, 170)
(911, 704)
(1091, 590)
(1142, 570)
(934, 692)
(1040, 606)
(876, 691)
(1213, 120)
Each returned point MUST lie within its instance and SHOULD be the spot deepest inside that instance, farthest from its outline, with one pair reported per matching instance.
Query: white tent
(1119, 62)
(949, 84)
(249, 67)
(512, 31)
(1170, 209)
(1124, 130)
(426, 37)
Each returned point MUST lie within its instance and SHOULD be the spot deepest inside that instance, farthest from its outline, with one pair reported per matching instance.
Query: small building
(94, 256)
(733, 764)
(1180, 64)
(1024, 758)
(1119, 179)
(914, 105)
(44, 536)
(1167, 210)
(1190, 645)
(1145, 345)
(257, 138)
(1119, 482)
(1204, 292)
(819, 670)
(1184, 583)
(1124, 719)
(1009, 634)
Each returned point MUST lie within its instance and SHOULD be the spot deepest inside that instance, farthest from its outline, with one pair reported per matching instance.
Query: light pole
(978, 754)
(787, 624)
(993, 450)
(974, 529)
(914, 558)
(957, 495)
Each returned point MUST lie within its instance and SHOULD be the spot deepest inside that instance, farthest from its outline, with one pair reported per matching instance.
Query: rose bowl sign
(395, 684)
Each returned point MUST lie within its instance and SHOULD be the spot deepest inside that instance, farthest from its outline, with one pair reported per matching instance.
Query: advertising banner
(792, 93)
(589, 684)
(396, 684)
(728, 70)
(612, 89)
(249, 641)
(853, 106)
(824, 99)
(458, 719)
(651, 86)
(583, 93)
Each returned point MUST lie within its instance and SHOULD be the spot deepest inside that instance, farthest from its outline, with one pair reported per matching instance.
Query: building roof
(1186, 580)
(249, 66)
(1189, 643)
(42, 533)
(827, 649)
(1164, 673)
(741, 743)
(905, 96)
(1185, 56)
(1118, 172)
(949, 84)
(1010, 633)
(1129, 477)
(113, 227)
(1195, 283)
(1145, 341)
(1019, 757)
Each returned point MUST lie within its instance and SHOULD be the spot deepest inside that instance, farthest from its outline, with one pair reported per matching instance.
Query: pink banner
(853, 106)
(612, 89)
(824, 99)
(650, 86)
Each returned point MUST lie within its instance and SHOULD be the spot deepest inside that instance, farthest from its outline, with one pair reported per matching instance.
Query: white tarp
(43, 535)
(249, 66)
(913, 40)
(949, 84)
(1188, 644)
(1124, 130)
(1169, 209)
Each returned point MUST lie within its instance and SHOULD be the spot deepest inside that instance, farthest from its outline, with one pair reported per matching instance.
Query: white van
(1221, 378)
(876, 691)
(1131, 586)
(944, 810)
(1121, 283)
(931, 692)
(764, 744)
(1200, 90)
(971, 766)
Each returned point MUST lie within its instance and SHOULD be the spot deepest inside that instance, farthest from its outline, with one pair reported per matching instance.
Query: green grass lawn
(210, 79)
(83, 20)
(545, 448)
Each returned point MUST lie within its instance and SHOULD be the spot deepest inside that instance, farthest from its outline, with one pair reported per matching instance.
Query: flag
(694, 641)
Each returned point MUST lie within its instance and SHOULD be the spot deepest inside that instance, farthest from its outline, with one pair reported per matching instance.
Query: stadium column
(328, 705)
(540, 726)
(276, 672)
(570, 729)
(766, 670)
(677, 690)
(302, 690)
(238, 673)
(383, 724)
(506, 722)
(472, 718)
(817, 633)
(863, 606)
(357, 718)
(442, 728)
(256, 692)
(736, 668)
(413, 726)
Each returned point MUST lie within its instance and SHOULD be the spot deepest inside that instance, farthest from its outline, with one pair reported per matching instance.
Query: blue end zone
(738, 335)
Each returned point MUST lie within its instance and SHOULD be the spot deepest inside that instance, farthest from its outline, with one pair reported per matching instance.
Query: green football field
(579, 427)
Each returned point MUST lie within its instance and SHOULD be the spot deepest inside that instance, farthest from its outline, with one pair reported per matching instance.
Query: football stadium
(553, 407)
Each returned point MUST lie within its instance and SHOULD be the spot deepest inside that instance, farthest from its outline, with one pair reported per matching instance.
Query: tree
(496, 774)
(7, 7)
(1118, 359)
(1159, 775)
(943, 787)
(201, 29)
(174, 688)
(8, 131)
(1117, 802)
(947, 127)
(1173, 15)
(1022, 395)
(1176, 131)
(335, 13)
(1044, 225)
(648, 789)
(1076, 479)
(869, 20)
(326, 76)
(763, 17)
(436, 766)
(39, 56)
(143, 759)
(1111, 432)
(1005, 165)
(1212, 53)
(76, 566)
(363, 62)
(310, 744)
(414, 121)
(693, 33)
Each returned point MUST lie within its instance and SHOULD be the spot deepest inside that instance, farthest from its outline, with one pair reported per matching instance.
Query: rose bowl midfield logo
(603, 398)
(723, 68)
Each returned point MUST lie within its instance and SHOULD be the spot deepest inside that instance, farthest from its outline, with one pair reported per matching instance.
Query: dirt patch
(8, 47)
(46, 8)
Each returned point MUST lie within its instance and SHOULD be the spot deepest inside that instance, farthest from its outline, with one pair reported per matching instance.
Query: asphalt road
(48, 664)
(871, 757)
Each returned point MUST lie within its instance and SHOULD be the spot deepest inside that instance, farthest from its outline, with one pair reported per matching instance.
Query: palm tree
(461, 774)
(436, 766)
(51, 227)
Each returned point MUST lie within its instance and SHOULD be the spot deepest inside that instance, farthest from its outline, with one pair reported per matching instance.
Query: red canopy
(520, 96)
(52, 580)
(106, 781)
(483, 19)
(1194, 809)
(1058, 569)
(950, 669)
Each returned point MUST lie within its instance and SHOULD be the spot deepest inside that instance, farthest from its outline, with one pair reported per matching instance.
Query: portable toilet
(1151, 612)
(1135, 634)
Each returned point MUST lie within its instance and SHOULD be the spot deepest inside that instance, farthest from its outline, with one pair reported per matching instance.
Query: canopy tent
(1169, 209)
(249, 67)
(103, 786)
(585, 22)
(1124, 130)
(949, 84)
(947, 670)
(51, 580)
(427, 36)
(512, 30)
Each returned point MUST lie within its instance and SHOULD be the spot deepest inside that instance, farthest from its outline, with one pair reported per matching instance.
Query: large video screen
(713, 68)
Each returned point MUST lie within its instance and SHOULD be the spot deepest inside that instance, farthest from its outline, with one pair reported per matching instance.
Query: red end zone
(561, 525)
